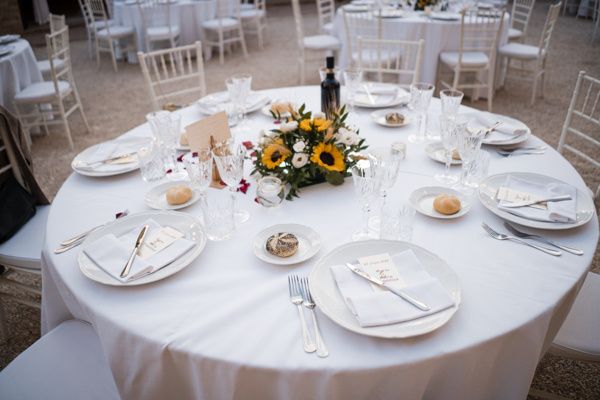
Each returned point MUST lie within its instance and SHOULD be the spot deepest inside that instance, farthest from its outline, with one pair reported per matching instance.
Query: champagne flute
(230, 163)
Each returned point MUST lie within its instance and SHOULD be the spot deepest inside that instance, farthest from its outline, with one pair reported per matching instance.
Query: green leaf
(334, 178)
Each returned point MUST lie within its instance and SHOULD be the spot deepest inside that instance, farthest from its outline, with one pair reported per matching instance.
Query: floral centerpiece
(306, 149)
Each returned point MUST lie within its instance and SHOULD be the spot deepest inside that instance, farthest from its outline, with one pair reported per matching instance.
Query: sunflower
(305, 125)
(275, 154)
(321, 124)
(329, 157)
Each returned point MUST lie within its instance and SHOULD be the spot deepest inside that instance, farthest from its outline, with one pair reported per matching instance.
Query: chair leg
(112, 55)
(535, 81)
(97, 55)
(243, 40)
(78, 100)
(221, 48)
(302, 67)
(61, 108)
(259, 33)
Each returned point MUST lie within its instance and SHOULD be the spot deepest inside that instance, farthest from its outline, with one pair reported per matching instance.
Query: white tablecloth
(439, 36)
(17, 70)
(186, 14)
(224, 328)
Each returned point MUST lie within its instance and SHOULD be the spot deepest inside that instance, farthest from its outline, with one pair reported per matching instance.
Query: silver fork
(76, 240)
(296, 299)
(501, 236)
(310, 304)
(542, 239)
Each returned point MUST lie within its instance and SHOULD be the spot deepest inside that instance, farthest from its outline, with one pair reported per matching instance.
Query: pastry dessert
(280, 108)
(183, 139)
(455, 155)
(446, 204)
(282, 244)
(178, 194)
(394, 118)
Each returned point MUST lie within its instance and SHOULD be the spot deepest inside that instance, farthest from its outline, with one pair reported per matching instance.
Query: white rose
(299, 146)
(288, 126)
(346, 137)
(299, 160)
(318, 114)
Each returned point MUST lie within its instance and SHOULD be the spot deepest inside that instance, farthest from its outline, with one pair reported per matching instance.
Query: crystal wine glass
(352, 79)
(451, 100)
(451, 129)
(366, 185)
(469, 143)
(230, 163)
(420, 97)
(199, 167)
(239, 86)
(386, 162)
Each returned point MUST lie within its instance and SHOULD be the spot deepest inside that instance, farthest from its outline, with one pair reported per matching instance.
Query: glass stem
(448, 162)
(365, 223)
(464, 172)
(232, 190)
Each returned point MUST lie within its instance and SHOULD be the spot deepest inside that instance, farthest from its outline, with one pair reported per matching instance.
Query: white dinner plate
(445, 16)
(217, 102)
(379, 117)
(357, 7)
(435, 151)
(489, 187)
(157, 196)
(381, 100)
(510, 140)
(9, 38)
(422, 201)
(185, 223)
(309, 243)
(328, 298)
(79, 164)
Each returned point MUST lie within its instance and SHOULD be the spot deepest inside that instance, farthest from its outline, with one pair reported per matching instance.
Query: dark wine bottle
(330, 91)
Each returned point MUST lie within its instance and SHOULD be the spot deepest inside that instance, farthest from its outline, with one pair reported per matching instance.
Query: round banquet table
(224, 328)
(18, 69)
(439, 36)
(186, 14)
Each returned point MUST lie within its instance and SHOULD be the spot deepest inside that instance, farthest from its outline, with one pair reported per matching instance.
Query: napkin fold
(561, 211)
(219, 101)
(505, 132)
(110, 253)
(107, 150)
(374, 307)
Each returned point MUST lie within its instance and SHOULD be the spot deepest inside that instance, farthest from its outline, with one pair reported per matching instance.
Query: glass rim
(418, 85)
(270, 178)
(451, 93)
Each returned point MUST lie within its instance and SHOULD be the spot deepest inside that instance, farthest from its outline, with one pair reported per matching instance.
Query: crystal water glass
(478, 169)
(166, 129)
(230, 164)
(352, 79)
(386, 162)
(218, 213)
(151, 162)
(270, 191)
(469, 143)
(451, 100)
(238, 87)
(397, 222)
(366, 185)
(420, 98)
(199, 166)
(451, 128)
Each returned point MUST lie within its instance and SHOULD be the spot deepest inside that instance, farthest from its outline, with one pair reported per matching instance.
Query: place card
(157, 240)
(513, 196)
(382, 267)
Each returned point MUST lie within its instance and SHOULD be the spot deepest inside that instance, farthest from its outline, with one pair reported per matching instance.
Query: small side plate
(379, 117)
(436, 152)
(422, 201)
(156, 197)
(309, 243)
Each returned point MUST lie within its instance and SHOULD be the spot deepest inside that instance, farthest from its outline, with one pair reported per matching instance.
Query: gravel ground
(117, 102)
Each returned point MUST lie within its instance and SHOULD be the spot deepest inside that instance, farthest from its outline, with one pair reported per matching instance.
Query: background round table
(439, 36)
(224, 328)
(186, 14)
(18, 69)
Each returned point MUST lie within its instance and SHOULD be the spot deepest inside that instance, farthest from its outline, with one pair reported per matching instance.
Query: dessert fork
(310, 304)
(501, 236)
(296, 299)
(542, 239)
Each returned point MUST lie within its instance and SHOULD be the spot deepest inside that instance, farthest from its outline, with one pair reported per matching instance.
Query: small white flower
(318, 114)
(299, 146)
(346, 136)
(299, 160)
(288, 126)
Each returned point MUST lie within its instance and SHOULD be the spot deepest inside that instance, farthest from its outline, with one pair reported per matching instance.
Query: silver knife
(138, 244)
(532, 202)
(419, 304)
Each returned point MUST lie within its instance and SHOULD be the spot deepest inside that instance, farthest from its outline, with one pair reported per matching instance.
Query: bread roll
(281, 108)
(456, 155)
(178, 194)
(446, 204)
(282, 244)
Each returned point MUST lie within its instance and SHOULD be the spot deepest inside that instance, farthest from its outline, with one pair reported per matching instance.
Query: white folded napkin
(107, 150)
(378, 88)
(504, 132)
(374, 308)
(561, 211)
(110, 253)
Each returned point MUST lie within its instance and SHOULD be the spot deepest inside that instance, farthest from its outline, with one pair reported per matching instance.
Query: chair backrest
(392, 57)
(260, 4)
(585, 106)
(325, 12)
(97, 13)
(551, 19)
(168, 71)
(360, 24)
(480, 32)
(228, 9)
(57, 22)
(57, 45)
(298, 21)
(521, 12)
(156, 13)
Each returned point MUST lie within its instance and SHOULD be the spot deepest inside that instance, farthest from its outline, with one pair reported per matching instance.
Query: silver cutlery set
(523, 238)
(299, 295)
(76, 240)
(518, 151)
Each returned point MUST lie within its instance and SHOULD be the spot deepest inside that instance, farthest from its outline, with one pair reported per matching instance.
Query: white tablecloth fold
(373, 307)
